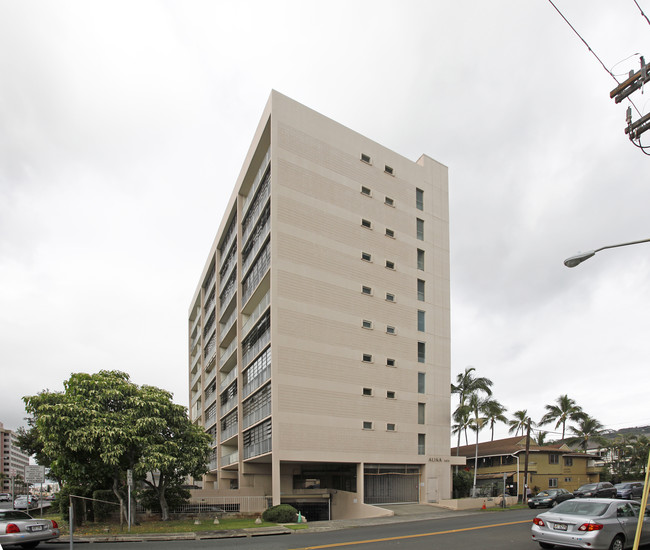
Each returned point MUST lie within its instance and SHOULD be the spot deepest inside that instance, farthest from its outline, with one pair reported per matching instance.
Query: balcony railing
(230, 458)
(256, 382)
(257, 448)
(226, 353)
(229, 431)
(257, 415)
(228, 379)
(225, 326)
(229, 405)
(252, 253)
(257, 272)
(258, 346)
(256, 181)
(252, 319)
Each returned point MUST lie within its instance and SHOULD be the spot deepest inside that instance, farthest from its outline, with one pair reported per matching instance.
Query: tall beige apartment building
(13, 459)
(319, 337)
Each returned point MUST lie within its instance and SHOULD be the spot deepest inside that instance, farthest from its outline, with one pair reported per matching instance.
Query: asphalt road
(481, 531)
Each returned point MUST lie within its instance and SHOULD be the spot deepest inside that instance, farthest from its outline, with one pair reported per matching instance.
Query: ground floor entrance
(391, 483)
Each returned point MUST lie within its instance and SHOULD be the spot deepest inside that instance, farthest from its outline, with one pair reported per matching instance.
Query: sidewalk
(402, 513)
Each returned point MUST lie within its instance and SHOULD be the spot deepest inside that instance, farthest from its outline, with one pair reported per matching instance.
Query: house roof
(508, 446)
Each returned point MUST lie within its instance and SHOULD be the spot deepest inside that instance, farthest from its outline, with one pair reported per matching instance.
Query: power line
(643, 14)
(583, 40)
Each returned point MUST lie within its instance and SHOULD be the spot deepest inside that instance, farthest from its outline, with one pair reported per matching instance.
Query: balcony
(228, 379)
(231, 458)
(256, 416)
(257, 313)
(258, 346)
(225, 354)
(256, 182)
(257, 449)
(229, 432)
(256, 381)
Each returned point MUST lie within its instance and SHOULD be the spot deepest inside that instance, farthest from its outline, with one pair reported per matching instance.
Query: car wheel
(546, 545)
(617, 543)
(28, 545)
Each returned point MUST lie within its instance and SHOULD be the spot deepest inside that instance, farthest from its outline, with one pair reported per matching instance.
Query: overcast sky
(123, 127)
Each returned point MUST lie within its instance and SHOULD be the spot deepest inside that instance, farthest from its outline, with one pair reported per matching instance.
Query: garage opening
(391, 483)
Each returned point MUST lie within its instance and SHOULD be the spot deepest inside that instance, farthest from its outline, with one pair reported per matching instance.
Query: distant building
(319, 331)
(13, 460)
(549, 466)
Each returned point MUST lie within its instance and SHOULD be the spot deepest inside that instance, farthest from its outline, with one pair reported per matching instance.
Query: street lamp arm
(579, 258)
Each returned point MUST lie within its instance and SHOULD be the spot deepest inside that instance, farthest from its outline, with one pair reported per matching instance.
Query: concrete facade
(319, 331)
(12, 458)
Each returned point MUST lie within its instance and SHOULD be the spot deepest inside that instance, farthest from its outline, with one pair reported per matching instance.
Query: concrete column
(360, 484)
(275, 480)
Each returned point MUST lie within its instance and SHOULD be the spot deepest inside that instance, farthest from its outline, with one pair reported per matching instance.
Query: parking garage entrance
(391, 483)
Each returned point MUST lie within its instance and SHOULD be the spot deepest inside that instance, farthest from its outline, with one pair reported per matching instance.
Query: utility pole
(524, 498)
(634, 82)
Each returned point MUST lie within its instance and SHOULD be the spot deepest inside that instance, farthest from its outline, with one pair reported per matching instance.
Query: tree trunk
(164, 507)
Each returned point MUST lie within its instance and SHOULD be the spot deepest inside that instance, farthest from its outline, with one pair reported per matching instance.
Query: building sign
(34, 474)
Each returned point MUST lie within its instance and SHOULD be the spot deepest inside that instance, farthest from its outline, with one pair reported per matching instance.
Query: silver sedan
(17, 527)
(597, 523)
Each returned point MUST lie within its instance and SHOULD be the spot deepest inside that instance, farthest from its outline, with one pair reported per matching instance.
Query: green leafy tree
(103, 424)
(565, 410)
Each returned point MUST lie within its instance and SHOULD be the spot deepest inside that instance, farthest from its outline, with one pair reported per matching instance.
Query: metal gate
(391, 487)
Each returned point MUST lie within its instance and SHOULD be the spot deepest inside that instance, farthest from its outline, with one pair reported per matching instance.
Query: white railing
(257, 448)
(228, 406)
(257, 415)
(256, 247)
(256, 382)
(210, 399)
(229, 431)
(261, 342)
(230, 459)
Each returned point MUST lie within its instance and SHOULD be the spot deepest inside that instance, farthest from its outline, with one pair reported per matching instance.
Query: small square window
(365, 191)
(390, 427)
(390, 395)
(366, 256)
(367, 425)
(366, 290)
(390, 330)
(567, 480)
(388, 169)
(552, 482)
(367, 391)
(366, 223)
(390, 265)
(390, 297)
(367, 358)
(367, 324)
(365, 158)
(390, 362)
(389, 202)
(390, 233)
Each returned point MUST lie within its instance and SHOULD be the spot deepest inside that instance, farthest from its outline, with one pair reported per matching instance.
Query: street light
(579, 258)
(572, 262)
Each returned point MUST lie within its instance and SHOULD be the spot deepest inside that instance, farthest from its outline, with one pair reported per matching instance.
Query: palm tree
(588, 429)
(466, 385)
(565, 410)
(477, 405)
(463, 420)
(520, 421)
(493, 414)
(540, 439)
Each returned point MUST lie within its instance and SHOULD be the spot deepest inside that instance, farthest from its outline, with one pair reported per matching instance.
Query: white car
(25, 502)
(594, 523)
(20, 528)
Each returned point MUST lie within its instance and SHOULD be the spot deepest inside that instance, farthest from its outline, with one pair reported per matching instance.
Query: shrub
(282, 513)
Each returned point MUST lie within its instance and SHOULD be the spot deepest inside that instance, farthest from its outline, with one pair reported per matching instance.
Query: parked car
(5, 497)
(596, 523)
(549, 498)
(604, 489)
(24, 502)
(629, 490)
(20, 528)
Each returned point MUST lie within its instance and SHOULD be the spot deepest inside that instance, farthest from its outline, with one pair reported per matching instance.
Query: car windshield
(622, 485)
(588, 487)
(543, 494)
(13, 514)
(578, 507)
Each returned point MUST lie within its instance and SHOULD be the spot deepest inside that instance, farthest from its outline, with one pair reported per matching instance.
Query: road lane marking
(370, 541)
